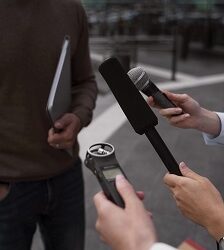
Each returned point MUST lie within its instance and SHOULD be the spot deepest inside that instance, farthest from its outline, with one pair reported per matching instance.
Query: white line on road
(151, 70)
(165, 73)
(97, 57)
(202, 81)
(101, 128)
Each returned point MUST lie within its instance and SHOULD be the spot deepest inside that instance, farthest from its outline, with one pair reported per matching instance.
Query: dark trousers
(56, 205)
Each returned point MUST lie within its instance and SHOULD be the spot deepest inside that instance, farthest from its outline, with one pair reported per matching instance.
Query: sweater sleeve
(84, 89)
(218, 140)
(161, 246)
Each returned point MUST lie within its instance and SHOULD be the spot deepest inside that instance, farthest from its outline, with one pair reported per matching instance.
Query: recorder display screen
(111, 173)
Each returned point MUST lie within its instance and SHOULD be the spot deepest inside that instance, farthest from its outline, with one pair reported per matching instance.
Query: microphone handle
(159, 97)
(163, 152)
(163, 101)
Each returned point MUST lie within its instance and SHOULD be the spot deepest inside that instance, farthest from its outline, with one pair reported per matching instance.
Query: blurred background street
(180, 44)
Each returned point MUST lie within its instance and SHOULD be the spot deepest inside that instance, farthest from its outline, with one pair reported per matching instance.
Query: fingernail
(186, 115)
(58, 125)
(182, 165)
(120, 178)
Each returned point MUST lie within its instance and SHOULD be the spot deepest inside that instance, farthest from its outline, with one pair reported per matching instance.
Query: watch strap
(220, 245)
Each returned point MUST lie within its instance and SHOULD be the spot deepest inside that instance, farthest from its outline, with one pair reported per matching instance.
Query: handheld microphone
(143, 83)
(139, 114)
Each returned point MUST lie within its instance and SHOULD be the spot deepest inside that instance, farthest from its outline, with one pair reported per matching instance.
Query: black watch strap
(220, 245)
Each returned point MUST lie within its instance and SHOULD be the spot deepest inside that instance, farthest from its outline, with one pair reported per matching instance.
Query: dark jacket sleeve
(84, 88)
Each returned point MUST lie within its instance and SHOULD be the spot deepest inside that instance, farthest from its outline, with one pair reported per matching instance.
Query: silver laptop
(59, 99)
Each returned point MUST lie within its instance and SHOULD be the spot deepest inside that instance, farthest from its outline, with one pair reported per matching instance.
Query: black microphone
(139, 114)
(143, 83)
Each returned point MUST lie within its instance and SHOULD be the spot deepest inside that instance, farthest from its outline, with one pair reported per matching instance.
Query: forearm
(84, 89)
(208, 122)
(216, 226)
(83, 100)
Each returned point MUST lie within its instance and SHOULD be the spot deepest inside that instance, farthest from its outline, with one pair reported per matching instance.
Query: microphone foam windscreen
(139, 77)
(139, 114)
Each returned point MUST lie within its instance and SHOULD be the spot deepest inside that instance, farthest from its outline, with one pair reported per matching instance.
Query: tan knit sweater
(31, 36)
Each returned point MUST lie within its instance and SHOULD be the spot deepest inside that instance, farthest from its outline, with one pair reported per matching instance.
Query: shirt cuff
(218, 140)
(161, 246)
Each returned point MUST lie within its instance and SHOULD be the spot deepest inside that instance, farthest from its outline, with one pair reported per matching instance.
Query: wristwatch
(221, 244)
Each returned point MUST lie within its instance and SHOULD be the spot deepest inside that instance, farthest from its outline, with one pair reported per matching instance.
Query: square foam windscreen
(137, 111)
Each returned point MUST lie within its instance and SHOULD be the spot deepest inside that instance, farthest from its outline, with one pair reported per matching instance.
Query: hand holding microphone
(186, 114)
(142, 82)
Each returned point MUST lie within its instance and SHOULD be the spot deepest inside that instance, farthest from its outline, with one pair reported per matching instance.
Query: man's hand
(4, 190)
(189, 114)
(129, 228)
(198, 200)
(69, 126)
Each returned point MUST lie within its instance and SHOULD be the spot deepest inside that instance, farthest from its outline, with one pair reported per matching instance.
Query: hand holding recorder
(129, 228)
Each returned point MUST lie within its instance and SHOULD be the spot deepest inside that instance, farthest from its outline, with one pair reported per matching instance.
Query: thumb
(179, 98)
(126, 190)
(187, 172)
(62, 122)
